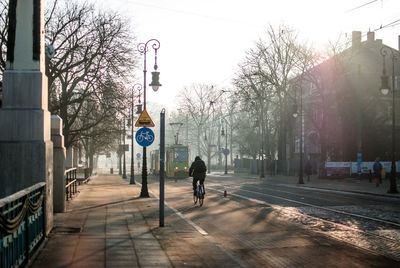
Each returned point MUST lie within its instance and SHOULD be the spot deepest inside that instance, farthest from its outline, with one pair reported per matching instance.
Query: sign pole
(162, 156)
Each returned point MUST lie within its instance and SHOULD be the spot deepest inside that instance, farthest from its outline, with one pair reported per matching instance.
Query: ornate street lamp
(295, 114)
(124, 166)
(155, 84)
(385, 89)
(119, 149)
(226, 146)
(262, 142)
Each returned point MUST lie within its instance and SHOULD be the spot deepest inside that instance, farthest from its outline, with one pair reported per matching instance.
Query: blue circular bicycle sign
(144, 136)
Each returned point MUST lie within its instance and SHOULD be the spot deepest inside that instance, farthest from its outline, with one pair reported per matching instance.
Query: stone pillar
(59, 156)
(69, 162)
(26, 150)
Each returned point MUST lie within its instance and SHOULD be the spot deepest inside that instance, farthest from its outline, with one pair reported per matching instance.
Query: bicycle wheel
(201, 195)
(150, 138)
(195, 198)
(201, 199)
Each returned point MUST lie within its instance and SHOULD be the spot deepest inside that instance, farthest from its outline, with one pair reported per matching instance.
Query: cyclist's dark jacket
(198, 169)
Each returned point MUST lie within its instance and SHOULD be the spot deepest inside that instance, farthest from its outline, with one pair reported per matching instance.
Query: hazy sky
(203, 41)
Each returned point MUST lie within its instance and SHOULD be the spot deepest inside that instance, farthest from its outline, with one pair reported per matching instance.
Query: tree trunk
(323, 144)
(282, 135)
(198, 141)
(91, 162)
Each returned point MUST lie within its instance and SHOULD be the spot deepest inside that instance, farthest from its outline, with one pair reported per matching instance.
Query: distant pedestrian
(377, 171)
(383, 174)
(308, 169)
(271, 167)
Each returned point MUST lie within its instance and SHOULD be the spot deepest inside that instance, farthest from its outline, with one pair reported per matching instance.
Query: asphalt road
(271, 225)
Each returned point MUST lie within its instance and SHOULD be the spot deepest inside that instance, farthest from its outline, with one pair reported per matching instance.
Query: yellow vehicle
(177, 161)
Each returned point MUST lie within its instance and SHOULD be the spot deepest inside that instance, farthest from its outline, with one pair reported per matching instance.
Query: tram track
(278, 207)
(332, 222)
(397, 224)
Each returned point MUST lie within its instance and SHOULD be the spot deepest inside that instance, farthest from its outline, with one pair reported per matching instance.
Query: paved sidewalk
(346, 184)
(107, 225)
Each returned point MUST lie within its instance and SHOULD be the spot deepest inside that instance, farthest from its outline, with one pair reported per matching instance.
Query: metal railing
(22, 225)
(86, 175)
(70, 183)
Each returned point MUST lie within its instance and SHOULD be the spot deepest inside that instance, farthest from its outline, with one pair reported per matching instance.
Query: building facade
(343, 111)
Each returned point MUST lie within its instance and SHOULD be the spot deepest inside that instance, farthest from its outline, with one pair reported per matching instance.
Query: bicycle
(145, 136)
(199, 194)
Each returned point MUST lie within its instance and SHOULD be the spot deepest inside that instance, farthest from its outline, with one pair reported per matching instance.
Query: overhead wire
(363, 5)
(388, 25)
(391, 24)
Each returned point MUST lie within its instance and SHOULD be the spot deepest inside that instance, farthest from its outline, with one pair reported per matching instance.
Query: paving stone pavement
(107, 225)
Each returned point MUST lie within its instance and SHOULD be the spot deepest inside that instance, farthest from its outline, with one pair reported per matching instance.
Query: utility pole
(359, 125)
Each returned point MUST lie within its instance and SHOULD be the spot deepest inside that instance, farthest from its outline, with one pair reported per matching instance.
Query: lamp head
(139, 109)
(295, 113)
(384, 84)
(155, 84)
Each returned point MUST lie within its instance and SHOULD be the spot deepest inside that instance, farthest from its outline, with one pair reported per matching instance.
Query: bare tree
(257, 97)
(197, 101)
(204, 106)
(97, 122)
(3, 41)
(280, 56)
(264, 79)
(93, 58)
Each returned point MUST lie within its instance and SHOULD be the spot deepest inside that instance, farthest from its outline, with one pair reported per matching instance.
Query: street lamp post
(155, 84)
(223, 133)
(137, 87)
(262, 141)
(119, 150)
(260, 124)
(385, 90)
(295, 115)
(208, 152)
(209, 148)
(219, 145)
(124, 166)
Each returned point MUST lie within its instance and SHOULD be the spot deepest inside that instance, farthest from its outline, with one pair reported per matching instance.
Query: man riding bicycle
(198, 171)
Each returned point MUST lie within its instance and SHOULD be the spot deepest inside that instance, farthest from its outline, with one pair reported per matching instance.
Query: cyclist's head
(197, 158)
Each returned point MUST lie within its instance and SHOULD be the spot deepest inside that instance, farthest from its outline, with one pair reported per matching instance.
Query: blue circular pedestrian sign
(144, 136)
